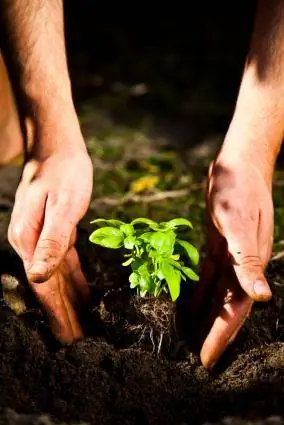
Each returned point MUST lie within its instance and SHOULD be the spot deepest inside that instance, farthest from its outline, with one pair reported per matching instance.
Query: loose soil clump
(113, 376)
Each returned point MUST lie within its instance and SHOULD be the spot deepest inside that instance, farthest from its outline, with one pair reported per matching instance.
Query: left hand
(240, 238)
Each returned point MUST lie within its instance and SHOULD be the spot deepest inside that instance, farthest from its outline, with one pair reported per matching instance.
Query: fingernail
(261, 288)
(39, 268)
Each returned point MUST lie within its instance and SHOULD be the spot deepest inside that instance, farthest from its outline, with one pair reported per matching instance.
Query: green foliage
(156, 255)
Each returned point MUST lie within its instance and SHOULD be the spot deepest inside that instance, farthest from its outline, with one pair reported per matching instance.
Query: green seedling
(156, 254)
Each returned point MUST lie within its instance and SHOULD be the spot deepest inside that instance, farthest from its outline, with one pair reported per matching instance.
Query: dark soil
(108, 380)
(114, 376)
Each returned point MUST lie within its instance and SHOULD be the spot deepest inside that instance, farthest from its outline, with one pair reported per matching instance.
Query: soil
(117, 376)
(110, 378)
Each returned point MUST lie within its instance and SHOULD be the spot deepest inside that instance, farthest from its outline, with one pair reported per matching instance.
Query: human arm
(56, 183)
(239, 195)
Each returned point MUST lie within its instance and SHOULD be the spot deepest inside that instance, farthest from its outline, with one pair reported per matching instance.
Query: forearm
(36, 52)
(257, 127)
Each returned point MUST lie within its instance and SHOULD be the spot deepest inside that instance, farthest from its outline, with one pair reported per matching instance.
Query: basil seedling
(156, 254)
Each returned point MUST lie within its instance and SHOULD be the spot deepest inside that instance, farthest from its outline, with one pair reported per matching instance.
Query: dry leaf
(144, 183)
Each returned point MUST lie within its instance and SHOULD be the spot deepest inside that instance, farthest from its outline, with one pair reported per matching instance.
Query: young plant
(157, 256)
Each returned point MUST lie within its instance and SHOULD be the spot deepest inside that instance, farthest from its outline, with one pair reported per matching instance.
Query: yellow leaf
(144, 183)
(151, 168)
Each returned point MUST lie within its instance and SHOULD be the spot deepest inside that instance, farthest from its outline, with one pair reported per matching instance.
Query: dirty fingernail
(261, 288)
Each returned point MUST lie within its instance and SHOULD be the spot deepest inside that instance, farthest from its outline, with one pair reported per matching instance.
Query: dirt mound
(94, 382)
(110, 379)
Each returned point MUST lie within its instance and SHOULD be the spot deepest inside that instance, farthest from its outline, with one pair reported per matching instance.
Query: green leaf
(108, 237)
(134, 280)
(144, 269)
(153, 254)
(127, 262)
(136, 264)
(190, 273)
(129, 242)
(146, 283)
(113, 223)
(190, 250)
(163, 243)
(172, 277)
(152, 224)
(145, 237)
(174, 263)
(127, 229)
(172, 224)
(175, 257)
(160, 275)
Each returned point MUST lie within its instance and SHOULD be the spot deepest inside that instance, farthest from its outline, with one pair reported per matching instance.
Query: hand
(63, 296)
(240, 237)
(52, 197)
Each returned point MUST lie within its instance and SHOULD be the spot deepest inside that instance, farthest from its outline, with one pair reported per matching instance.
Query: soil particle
(98, 381)
(94, 382)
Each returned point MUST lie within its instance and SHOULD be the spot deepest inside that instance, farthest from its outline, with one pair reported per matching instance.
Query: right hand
(240, 238)
(63, 297)
(51, 199)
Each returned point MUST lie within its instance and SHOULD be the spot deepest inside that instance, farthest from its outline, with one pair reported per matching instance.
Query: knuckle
(233, 219)
(16, 231)
(62, 204)
(51, 246)
(253, 261)
(53, 199)
(223, 207)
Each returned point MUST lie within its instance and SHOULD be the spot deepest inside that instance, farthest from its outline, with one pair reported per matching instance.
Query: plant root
(145, 322)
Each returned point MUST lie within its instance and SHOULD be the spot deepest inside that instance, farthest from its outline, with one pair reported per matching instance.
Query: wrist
(54, 129)
(255, 136)
(242, 147)
(251, 151)
(47, 95)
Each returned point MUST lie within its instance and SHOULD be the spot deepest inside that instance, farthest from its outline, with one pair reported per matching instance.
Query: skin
(11, 141)
(56, 184)
(240, 210)
(239, 193)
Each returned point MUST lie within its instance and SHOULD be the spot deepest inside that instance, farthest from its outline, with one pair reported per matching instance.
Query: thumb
(53, 244)
(248, 266)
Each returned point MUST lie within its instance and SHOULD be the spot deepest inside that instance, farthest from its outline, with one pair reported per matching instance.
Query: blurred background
(177, 68)
(155, 87)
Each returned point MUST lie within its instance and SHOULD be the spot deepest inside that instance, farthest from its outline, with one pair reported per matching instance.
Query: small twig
(278, 256)
(133, 198)
(278, 183)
